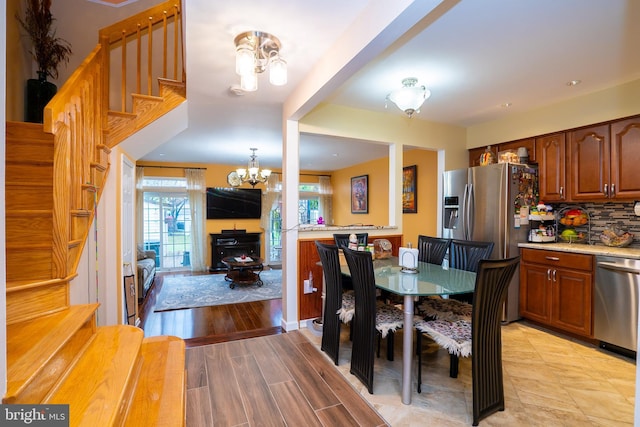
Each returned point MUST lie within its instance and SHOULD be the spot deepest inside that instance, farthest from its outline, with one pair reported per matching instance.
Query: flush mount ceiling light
(255, 52)
(409, 98)
(252, 174)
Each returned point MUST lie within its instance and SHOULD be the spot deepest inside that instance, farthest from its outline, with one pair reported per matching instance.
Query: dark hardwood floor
(209, 325)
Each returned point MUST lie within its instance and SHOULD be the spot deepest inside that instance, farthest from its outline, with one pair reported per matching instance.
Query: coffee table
(243, 271)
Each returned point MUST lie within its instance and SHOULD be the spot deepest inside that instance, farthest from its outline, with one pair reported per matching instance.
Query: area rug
(180, 292)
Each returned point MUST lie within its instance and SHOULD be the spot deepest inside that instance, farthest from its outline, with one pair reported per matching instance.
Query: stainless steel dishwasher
(615, 305)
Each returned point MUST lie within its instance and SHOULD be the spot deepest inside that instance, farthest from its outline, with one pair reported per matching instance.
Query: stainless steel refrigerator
(486, 203)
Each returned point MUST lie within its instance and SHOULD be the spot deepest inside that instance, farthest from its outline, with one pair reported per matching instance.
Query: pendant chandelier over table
(252, 174)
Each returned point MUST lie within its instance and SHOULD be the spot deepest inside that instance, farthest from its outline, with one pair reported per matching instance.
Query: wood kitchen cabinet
(625, 158)
(603, 161)
(528, 143)
(590, 163)
(551, 158)
(595, 163)
(556, 290)
(475, 153)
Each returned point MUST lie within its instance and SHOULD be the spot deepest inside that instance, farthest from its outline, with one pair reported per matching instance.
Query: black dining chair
(338, 305)
(342, 241)
(432, 249)
(463, 255)
(371, 319)
(479, 337)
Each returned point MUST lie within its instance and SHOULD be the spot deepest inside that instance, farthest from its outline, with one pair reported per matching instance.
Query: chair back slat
(342, 240)
(364, 322)
(492, 282)
(432, 249)
(332, 301)
(465, 254)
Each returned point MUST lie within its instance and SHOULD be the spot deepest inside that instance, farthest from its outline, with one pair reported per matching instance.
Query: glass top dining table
(429, 279)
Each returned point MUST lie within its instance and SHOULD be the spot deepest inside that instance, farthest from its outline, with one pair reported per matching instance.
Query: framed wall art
(409, 189)
(360, 194)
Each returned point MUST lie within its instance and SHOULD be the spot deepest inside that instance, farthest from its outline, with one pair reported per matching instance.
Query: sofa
(146, 262)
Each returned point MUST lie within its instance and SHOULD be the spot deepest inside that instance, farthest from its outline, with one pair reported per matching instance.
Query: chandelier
(409, 98)
(252, 174)
(255, 52)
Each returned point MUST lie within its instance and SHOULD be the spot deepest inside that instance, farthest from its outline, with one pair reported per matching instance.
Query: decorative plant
(47, 49)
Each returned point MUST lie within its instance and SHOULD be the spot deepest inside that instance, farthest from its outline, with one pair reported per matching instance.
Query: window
(167, 221)
(275, 234)
(309, 203)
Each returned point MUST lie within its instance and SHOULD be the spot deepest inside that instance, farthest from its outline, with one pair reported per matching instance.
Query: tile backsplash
(607, 214)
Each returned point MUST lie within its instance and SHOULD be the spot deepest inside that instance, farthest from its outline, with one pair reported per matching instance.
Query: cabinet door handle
(606, 190)
(613, 190)
(562, 193)
(552, 258)
(554, 275)
(549, 274)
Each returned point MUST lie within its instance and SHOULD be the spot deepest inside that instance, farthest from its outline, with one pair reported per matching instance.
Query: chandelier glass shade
(410, 97)
(257, 51)
(252, 174)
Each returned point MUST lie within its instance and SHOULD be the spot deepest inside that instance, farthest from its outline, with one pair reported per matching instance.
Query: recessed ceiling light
(573, 82)
(506, 105)
(335, 154)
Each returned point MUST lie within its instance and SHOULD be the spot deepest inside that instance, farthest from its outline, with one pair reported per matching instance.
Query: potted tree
(48, 51)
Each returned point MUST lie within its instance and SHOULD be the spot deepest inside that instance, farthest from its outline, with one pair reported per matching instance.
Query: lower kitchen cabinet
(556, 290)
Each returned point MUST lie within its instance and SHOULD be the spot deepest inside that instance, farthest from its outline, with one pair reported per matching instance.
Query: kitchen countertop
(323, 231)
(314, 227)
(580, 248)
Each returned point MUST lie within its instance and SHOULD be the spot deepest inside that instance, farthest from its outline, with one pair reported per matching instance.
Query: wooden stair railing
(57, 171)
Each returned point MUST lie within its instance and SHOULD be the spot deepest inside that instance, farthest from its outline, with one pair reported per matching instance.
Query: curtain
(325, 202)
(139, 205)
(196, 192)
(270, 200)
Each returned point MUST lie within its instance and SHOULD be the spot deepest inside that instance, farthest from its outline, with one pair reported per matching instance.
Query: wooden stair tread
(159, 399)
(98, 387)
(34, 344)
(27, 130)
(14, 285)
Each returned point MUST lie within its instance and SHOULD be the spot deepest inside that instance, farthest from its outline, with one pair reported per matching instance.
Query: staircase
(55, 172)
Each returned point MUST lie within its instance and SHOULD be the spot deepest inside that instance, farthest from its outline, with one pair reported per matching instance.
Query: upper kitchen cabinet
(551, 157)
(625, 159)
(529, 144)
(589, 163)
(603, 161)
(475, 153)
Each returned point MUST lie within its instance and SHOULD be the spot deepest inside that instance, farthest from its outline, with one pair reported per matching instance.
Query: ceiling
(475, 57)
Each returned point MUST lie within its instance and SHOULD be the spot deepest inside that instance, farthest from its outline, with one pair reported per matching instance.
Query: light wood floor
(270, 381)
(550, 379)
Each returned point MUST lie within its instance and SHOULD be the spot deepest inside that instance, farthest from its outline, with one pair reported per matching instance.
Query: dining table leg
(407, 349)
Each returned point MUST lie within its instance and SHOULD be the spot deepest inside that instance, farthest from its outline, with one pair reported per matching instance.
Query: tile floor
(549, 380)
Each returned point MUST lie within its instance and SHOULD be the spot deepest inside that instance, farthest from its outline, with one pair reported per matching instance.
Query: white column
(290, 183)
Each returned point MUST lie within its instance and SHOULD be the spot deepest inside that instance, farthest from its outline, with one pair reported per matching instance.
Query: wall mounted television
(234, 203)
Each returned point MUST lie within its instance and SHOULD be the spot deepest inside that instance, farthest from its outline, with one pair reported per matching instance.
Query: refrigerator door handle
(470, 212)
(465, 212)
